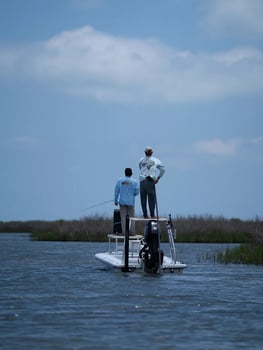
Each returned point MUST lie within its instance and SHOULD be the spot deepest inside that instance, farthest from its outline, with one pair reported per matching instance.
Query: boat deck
(114, 257)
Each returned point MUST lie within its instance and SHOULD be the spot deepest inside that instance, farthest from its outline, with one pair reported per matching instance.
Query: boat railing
(116, 241)
(116, 244)
(171, 232)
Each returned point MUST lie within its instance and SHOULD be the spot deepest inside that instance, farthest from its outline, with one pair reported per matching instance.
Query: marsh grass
(213, 237)
(191, 229)
(250, 253)
(244, 254)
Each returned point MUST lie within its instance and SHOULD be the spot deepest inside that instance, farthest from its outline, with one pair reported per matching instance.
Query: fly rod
(97, 205)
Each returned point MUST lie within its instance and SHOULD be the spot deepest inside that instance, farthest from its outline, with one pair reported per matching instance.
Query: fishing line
(85, 228)
(97, 205)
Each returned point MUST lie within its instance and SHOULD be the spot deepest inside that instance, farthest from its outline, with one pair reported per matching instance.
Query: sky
(86, 85)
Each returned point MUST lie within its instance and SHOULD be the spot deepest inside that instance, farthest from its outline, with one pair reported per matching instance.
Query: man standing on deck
(126, 189)
(151, 170)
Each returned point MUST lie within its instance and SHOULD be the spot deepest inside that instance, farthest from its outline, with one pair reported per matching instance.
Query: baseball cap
(148, 149)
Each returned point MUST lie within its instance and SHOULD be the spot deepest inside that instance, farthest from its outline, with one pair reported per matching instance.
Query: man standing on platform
(126, 189)
(151, 170)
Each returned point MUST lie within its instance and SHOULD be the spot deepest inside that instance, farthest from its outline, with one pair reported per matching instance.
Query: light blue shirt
(151, 166)
(126, 189)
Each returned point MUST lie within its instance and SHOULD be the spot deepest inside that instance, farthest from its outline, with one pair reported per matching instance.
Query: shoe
(145, 217)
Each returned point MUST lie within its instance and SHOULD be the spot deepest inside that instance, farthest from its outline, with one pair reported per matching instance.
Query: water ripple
(55, 295)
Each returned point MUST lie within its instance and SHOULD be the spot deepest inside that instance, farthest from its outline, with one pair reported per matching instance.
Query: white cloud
(230, 147)
(241, 17)
(96, 65)
(218, 147)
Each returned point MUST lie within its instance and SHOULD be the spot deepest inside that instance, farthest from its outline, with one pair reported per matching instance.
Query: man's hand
(157, 180)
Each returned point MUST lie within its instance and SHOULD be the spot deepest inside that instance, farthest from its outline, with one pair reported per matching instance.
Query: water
(55, 295)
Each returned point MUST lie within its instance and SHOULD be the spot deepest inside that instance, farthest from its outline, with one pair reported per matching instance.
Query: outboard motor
(150, 253)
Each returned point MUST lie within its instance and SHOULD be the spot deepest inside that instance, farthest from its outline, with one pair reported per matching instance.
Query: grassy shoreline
(199, 229)
(191, 229)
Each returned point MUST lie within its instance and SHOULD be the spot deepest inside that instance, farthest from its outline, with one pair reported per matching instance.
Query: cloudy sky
(86, 85)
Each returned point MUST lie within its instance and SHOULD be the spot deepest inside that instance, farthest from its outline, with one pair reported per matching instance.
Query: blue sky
(86, 85)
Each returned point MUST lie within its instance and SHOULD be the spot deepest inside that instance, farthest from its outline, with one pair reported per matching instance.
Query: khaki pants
(124, 211)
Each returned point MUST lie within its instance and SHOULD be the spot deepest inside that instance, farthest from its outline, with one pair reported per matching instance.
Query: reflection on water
(55, 295)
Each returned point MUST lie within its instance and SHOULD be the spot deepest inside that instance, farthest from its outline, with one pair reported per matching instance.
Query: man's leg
(143, 195)
(151, 198)
(130, 211)
(123, 213)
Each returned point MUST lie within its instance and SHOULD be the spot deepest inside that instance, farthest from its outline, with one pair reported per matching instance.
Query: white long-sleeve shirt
(151, 166)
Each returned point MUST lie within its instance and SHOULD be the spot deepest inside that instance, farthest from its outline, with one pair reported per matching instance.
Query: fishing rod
(97, 205)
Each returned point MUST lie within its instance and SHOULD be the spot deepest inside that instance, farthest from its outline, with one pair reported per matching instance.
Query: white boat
(142, 252)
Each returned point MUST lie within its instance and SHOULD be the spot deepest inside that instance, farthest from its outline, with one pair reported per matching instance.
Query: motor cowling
(151, 253)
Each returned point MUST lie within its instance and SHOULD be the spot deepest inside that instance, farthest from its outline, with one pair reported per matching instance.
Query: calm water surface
(55, 295)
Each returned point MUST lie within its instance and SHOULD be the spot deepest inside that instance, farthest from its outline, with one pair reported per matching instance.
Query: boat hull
(142, 252)
(136, 263)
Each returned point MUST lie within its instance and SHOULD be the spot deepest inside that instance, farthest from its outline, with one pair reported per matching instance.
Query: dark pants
(147, 193)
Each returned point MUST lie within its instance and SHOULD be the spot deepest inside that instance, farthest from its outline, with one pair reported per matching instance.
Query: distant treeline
(197, 229)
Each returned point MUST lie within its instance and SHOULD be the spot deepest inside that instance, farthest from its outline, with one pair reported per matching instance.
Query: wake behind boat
(142, 252)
